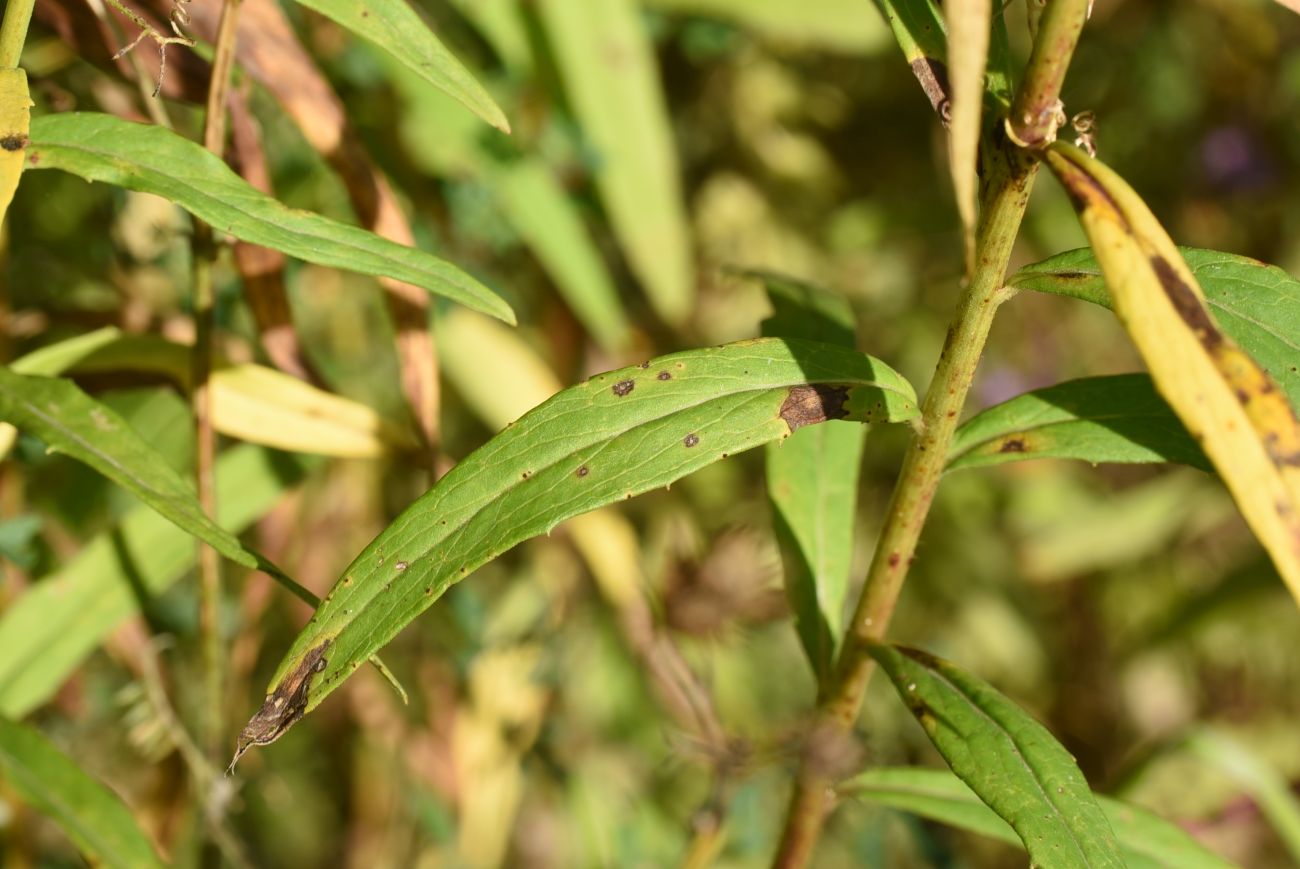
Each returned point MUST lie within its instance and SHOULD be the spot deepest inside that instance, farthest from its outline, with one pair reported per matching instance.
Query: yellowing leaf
(15, 123)
(1231, 406)
(968, 49)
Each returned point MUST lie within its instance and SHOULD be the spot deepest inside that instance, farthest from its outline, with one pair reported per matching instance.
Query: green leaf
(94, 817)
(1146, 840)
(55, 624)
(395, 27)
(1270, 789)
(71, 422)
(608, 66)
(919, 30)
(1257, 304)
(1120, 418)
(1010, 760)
(812, 480)
(608, 439)
(155, 160)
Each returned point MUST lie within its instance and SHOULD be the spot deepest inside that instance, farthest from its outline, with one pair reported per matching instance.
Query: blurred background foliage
(1128, 608)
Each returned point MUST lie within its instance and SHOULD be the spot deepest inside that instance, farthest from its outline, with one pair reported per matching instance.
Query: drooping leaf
(968, 25)
(250, 402)
(1238, 414)
(812, 481)
(395, 27)
(605, 57)
(1146, 840)
(15, 123)
(152, 159)
(92, 816)
(610, 438)
(1097, 419)
(55, 624)
(1257, 304)
(1006, 757)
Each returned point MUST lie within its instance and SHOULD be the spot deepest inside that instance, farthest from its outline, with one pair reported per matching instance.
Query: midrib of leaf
(1019, 755)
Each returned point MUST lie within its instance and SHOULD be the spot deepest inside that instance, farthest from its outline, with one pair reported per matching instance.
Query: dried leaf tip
(282, 707)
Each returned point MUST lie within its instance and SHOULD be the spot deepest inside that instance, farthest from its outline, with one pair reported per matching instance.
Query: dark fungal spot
(1015, 445)
(664, 375)
(1185, 302)
(428, 591)
(894, 559)
(811, 404)
(623, 387)
(14, 142)
(283, 706)
(526, 474)
(583, 471)
(691, 440)
(645, 364)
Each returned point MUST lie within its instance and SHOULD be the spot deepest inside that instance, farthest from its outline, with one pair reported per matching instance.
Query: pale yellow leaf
(968, 48)
(15, 123)
(1230, 405)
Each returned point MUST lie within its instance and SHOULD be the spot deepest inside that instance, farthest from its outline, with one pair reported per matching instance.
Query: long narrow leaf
(394, 27)
(1229, 403)
(1147, 840)
(968, 48)
(607, 62)
(155, 160)
(1007, 758)
(812, 481)
(610, 438)
(94, 817)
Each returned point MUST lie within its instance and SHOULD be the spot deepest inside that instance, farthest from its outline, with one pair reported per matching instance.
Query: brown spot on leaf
(691, 439)
(623, 387)
(14, 142)
(283, 706)
(664, 375)
(1187, 304)
(811, 404)
(583, 471)
(1015, 445)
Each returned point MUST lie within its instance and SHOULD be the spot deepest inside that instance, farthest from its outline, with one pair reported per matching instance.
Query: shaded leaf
(617, 435)
(812, 480)
(1006, 757)
(1146, 840)
(395, 27)
(1120, 418)
(607, 62)
(93, 817)
(1227, 401)
(842, 25)
(55, 624)
(155, 160)
(1269, 788)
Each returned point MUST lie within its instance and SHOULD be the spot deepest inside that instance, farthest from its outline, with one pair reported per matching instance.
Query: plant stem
(1008, 179)
(13, 31)
(1037, 113)
(205, 252)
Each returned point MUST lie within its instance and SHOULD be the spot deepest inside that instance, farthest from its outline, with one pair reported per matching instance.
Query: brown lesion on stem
(933, 76)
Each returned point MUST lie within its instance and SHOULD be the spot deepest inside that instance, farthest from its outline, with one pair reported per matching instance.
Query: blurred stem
(13, 31)
(205, 440)
(1008, 178)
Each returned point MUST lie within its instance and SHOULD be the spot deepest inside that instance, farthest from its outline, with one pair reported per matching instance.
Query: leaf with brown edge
(1234, 410)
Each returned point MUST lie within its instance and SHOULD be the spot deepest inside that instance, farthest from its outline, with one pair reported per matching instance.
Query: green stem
(1037, 112)
(1008, 179)
(13, 31)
